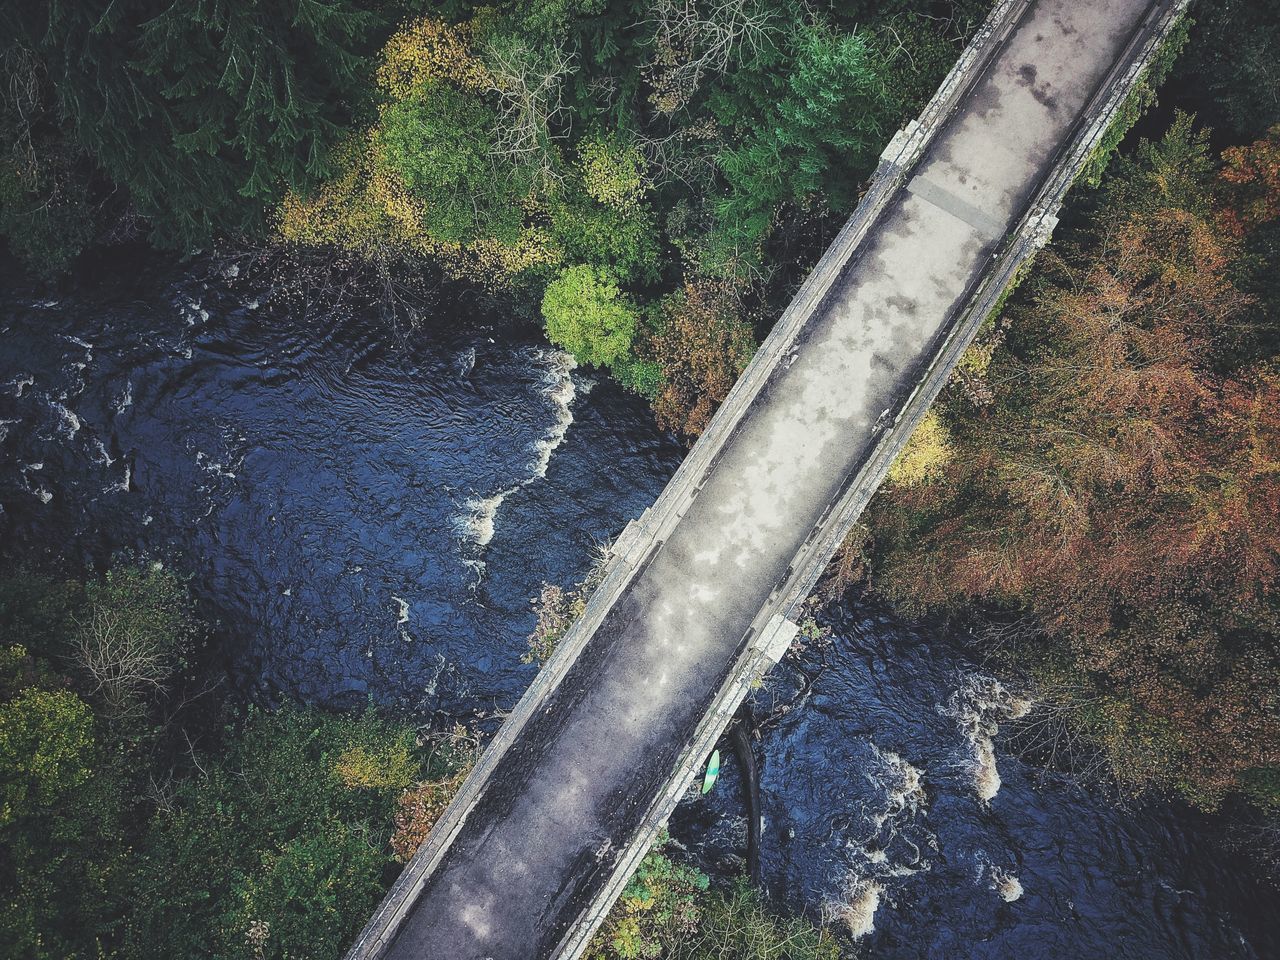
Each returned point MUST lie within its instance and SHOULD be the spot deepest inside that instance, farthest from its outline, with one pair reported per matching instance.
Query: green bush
(46, 741)
(122, 841)
(621, 240)
(440, 142)
(670, 911)
(658, 907)
(736, 922)
(589, 316)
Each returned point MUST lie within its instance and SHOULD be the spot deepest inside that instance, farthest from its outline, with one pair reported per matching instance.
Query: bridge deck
(569, 793)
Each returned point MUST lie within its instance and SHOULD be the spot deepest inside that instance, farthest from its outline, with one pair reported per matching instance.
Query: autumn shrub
(925, 456)
(1251, 183)
(557, 610)
(702, 345)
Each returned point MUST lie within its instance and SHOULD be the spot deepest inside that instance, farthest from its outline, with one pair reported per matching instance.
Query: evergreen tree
(205, 110)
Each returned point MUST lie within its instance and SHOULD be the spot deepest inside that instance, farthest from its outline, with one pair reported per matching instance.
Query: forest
(648, 180)
(1094, 496)
(1097, 488)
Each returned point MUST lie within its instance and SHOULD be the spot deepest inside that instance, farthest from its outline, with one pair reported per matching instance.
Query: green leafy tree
(61, 851)
(440, 140)
(46, 742)
(1230, 69)
(613, 171)
(284, 838)
(621, 240)
(589, 316)
(303, 899)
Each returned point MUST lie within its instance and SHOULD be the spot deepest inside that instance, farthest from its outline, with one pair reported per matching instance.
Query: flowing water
(367, 517)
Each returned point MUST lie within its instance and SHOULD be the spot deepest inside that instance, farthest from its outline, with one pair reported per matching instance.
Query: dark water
(886, 784)
(329, 487)
(368, 516)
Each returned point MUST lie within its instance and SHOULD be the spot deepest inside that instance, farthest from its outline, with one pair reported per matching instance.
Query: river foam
(479, 522)
(68, 423)
(856, 910)
(977, 706)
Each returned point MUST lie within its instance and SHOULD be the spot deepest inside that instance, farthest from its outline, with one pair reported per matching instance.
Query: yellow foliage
(365, 207)
(613, 172)
(350, 211)
(367, 210)
(490, 261)
(392, 768)
(925, 455)
(976, 360)
(428, 49)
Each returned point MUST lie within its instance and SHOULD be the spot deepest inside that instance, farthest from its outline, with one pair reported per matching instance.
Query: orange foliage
(702, 347)
(1125, 491)
(1251, 175)
(419, 809)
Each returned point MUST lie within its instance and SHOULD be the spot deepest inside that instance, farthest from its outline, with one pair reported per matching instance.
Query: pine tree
(205, 110)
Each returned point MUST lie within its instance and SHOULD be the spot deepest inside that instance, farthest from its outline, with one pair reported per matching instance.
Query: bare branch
(692, 38)
(528, 85)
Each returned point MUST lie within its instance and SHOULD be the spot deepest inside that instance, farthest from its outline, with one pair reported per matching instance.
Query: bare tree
(1054, 732)
(695, 37)
(122, 661)
(686, 154)
(528, 85)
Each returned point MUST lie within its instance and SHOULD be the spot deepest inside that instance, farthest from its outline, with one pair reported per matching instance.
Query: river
(367, 516)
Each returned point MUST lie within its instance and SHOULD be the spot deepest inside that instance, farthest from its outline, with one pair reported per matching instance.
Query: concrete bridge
(698, 603)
